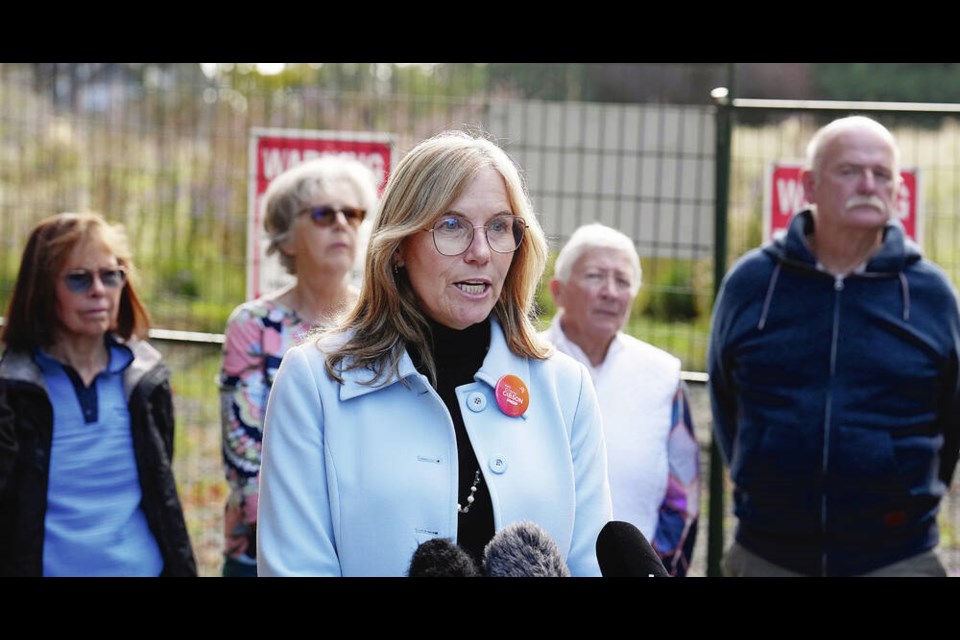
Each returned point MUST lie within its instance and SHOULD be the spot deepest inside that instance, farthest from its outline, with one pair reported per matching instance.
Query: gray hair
(597, 236)
(303, 184)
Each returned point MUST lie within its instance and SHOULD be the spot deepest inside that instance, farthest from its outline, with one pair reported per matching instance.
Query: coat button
(476, 401)
(497, 463)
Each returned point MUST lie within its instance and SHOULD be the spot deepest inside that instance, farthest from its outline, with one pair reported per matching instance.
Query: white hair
(597, 236)
(819, 142)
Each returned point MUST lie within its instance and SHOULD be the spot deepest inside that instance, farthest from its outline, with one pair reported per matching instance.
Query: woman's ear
(287, 247)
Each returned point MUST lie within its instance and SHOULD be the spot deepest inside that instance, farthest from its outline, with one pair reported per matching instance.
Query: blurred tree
(540, 80)
(888, 81)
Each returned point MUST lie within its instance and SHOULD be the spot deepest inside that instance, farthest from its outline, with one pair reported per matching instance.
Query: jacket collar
(499, 361)
(896, 252)
(133, 357)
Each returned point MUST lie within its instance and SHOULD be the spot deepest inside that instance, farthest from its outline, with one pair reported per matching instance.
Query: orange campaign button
(512, 394)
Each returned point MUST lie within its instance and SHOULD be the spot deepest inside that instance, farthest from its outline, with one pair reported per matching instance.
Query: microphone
(623, 552)
(441, 558)
(523, 549)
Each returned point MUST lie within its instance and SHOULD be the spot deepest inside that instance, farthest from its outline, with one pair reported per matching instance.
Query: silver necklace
(470, 498)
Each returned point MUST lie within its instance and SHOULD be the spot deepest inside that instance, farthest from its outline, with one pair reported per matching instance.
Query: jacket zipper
(838, 286)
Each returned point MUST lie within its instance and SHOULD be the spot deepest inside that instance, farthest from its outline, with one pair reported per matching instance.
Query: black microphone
(623, 552)
(523, 549)
(441, 558)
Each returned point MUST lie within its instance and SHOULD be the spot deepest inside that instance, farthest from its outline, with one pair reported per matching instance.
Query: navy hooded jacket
(835, 402)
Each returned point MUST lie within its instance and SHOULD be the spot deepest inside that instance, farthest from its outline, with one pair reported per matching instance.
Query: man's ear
(899, 187)
(556, 290)
(809, 181)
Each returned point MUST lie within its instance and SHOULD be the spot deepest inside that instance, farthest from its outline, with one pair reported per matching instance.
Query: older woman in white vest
(653, 455)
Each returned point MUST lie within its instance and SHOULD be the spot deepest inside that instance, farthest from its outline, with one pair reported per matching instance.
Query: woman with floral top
(313, 214)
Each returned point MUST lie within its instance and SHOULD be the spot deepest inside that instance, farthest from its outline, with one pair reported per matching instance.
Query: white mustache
(867, 201)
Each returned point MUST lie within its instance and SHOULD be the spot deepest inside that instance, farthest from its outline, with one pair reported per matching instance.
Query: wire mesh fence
(165, 149)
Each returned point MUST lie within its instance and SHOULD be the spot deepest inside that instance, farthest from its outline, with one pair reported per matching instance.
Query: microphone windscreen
(523, 550)
(624, 552)
(441, 558)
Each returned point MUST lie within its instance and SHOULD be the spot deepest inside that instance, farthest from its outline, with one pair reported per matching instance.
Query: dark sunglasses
(81, 280)
(326, 215)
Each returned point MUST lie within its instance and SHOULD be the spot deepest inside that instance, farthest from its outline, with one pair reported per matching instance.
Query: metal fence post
(716, 490)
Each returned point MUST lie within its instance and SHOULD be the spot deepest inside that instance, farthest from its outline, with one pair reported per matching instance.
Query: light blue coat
(354, 478)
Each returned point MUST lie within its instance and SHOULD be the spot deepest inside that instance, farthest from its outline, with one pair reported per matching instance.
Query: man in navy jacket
(833, 363)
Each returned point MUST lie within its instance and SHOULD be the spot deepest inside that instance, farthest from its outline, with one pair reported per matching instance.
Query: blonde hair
(424, 184)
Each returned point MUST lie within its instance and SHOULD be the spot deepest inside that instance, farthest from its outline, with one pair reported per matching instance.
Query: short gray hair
(596, 236)
(301, 185)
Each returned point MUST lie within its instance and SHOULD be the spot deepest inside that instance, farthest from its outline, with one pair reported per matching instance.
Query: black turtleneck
(458, 354)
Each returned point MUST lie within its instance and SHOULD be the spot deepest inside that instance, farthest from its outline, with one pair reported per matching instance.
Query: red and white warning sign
(783, 196)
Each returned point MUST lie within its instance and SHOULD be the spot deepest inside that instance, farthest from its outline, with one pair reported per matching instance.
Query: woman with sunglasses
(314, 215)
(434, 410)
(91, 491)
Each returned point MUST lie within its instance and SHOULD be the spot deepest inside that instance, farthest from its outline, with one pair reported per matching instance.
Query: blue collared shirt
(94, 523)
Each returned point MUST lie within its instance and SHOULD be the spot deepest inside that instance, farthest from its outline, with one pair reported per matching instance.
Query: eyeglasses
(80, 280)
(452, 234)
(326, 215)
